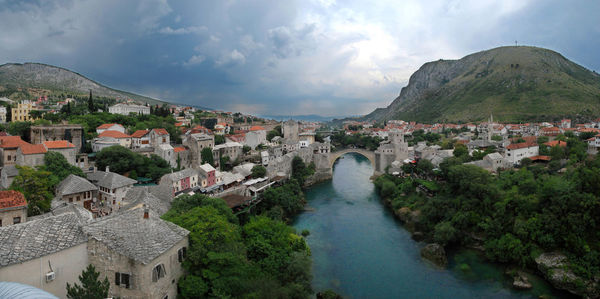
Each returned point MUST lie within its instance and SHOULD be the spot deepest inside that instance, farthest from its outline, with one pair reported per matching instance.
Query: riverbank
(360, 250)
(454, 221)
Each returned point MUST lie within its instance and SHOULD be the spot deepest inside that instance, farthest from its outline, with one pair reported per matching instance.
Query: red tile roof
(106, 126)
(3, 134)
(140, 133)
(32, 149)
(58, 144)
(11, 199)
(555, 143)
(256, 128)
(179, 124)
(113, 134)
(179, 149)
(11, 141)
(160, 131)
(513, 146)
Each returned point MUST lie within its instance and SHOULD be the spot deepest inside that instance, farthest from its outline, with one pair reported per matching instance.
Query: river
(360, 250)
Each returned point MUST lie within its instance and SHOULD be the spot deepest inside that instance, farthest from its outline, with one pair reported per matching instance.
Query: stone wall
(71, 133)
(6, 217)
(108, 262)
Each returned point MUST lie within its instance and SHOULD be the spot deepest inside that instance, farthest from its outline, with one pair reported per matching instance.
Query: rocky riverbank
(554, 267)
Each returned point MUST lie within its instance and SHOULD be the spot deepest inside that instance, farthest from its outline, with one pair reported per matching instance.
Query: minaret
(490, 128)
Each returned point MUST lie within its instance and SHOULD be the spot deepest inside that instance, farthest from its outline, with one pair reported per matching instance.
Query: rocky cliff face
(510, 82)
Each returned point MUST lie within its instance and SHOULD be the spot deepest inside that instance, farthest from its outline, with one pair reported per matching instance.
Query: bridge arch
(333, 156)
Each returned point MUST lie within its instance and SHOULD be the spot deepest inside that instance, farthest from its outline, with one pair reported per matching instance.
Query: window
(16, 220)
(158, 272)
(181, 254)
(78, 198)
(0, 222)
(122, 279)
(8, 157)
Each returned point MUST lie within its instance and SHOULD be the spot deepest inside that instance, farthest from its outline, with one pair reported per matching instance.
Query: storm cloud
(282, 57)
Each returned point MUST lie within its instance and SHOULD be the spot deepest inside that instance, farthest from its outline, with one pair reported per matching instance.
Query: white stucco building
(125, 109)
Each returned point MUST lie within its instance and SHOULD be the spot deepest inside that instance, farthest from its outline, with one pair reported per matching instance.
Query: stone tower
(400, 146)
(290, 130)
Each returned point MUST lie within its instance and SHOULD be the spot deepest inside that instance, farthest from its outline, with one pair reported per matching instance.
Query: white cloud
(195, 59)
(183, 30)
(232, 58)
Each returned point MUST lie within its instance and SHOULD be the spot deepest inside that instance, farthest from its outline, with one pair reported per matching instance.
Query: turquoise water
(360, 250)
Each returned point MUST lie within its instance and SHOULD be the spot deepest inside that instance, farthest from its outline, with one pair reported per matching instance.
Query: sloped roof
(106, 126)
(513, 146)
(32, 149)
(555, 143)
(140, 133)
(206, 168)
(58, 144)
(74, 184)
(11, 141)
(113, 134)
(37, 238)
(256, 128)
(138, 196)
(160, 131)
(12, 199)
(109, 179)
(179, 149)
(141, 239)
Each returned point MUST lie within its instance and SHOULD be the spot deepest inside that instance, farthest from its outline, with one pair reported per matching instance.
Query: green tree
(91, 103)
(258, 171)
(91, 287)
(207, 156)
(56, 164)
(219, 139)
(36, 186)
(461, 151)
(246, 149)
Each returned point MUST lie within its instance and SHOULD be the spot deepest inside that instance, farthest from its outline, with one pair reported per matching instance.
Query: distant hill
(514, 83)
(34, 79)
(308, 117)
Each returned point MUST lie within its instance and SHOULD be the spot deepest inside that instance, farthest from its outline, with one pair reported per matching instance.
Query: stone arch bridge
(333, 156)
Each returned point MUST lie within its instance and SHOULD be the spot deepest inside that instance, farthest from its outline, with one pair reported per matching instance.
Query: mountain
(308, 117)
(514, 83)
(34, 79)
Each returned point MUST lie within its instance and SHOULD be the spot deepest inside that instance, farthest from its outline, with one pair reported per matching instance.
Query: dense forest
(513, 216)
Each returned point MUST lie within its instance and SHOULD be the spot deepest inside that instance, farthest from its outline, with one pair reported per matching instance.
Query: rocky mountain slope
(34, 79)
(514, 83)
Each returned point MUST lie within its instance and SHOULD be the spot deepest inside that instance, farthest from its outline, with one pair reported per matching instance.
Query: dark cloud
(281, 57)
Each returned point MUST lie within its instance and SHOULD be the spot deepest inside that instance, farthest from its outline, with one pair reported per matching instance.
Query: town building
(140, 139)
(21, 112)
(8, 149)
(13, 208)
(77, 190)
(139, 253)
(233, 150)
(207, 176)
(181, 181)
(45, 253)
(257, 135)
(515, 152)
(112, 186)
(158, 137)
(111, 138)
(63, 147)
(31, 155)
(110, 127)
(3, 114)
(395, 149)
(69, 132)
(126, 109)
(290, 130)
(492, 162)
(7, 175)
(167, 152)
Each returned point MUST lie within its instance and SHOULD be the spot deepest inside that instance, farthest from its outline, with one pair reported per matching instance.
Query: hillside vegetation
(28, 80)
(514, 83)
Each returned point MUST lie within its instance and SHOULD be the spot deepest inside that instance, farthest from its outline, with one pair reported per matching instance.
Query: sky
(326, 57)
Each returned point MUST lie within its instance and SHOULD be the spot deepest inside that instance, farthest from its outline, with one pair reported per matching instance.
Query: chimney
(107, 168)
(146, 212)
